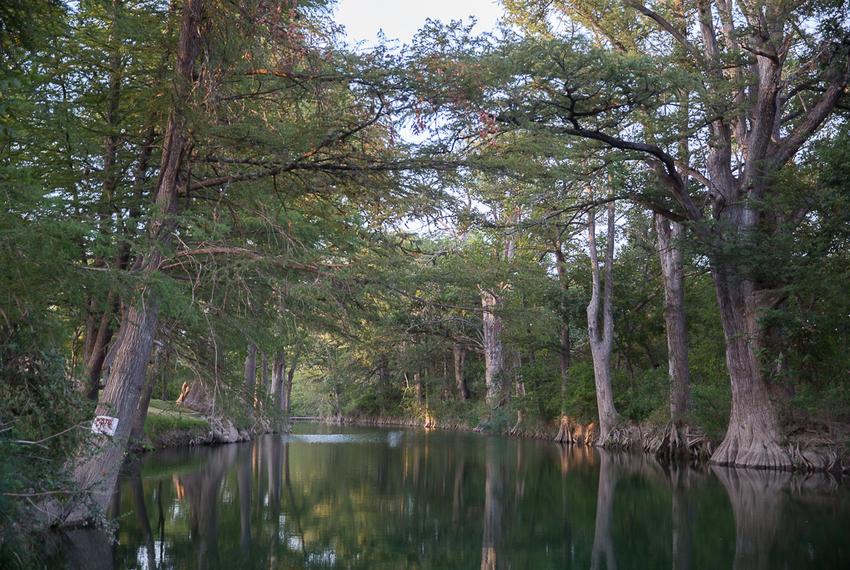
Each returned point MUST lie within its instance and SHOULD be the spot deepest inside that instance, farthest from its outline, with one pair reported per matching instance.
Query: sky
(400, 19)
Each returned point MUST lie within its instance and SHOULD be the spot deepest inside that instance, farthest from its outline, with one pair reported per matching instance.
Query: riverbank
(813, 447)
(171, 425)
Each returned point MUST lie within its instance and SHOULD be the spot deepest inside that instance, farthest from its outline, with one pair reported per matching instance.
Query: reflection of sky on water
(392, 438)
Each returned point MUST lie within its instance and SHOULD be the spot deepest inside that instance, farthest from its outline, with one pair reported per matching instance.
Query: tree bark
(263, 386)
(155, 371)
(672, 271)
(753, 437)
(494, 357)
(601, 335)
(278, 379)
(96, 467)
(417, 386)
(459, 354)
(98, 348)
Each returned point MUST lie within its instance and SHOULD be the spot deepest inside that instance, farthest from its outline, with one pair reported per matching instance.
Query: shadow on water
(372, 498)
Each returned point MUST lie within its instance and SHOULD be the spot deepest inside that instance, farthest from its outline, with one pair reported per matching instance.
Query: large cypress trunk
(96, 467)
(753, 438)
(672, 271)
(600, 327)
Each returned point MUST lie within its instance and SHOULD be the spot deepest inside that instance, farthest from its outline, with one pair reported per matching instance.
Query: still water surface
(349, 497)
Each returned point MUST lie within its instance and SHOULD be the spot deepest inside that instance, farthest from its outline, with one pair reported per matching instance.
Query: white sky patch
(401, 19)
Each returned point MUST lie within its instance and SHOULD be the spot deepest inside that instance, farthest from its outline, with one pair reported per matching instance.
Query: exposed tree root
(747, 445)
(517, 429)
(819, 447)
(575, 433)
(676, 441)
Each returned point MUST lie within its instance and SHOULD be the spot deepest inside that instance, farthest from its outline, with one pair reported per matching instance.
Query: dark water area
(349, 497)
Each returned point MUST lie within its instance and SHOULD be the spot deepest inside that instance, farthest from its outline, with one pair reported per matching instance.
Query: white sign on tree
(105, 425)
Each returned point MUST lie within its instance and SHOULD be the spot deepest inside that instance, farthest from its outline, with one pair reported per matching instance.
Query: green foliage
(39, 416)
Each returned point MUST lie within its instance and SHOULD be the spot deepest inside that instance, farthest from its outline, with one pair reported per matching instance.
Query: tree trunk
(753, 437)
(155, 371)
(494, 357)
(264, 384)
(669, 237)
(286, 393)
(250, 378)
(99, 346)
(601, 339)
(96, 467)
(417, 386)
(278, 379)
(459, 354)
(290, 377)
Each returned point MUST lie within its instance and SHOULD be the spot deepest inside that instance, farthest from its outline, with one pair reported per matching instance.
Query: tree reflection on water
(451, 500)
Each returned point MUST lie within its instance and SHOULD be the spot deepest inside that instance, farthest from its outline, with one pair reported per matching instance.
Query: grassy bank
(170, 425)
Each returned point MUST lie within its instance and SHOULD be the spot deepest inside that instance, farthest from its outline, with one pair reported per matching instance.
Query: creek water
(355, 497)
